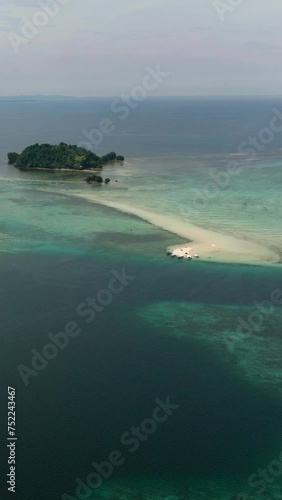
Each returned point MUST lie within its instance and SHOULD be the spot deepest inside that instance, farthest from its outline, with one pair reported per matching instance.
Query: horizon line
(171, 96)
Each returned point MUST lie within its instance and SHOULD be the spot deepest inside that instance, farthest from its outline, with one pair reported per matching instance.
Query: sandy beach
(208, 245)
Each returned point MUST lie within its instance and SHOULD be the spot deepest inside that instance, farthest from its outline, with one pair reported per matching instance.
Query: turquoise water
(172, 332)
(174, 150)
(250, 207)
(36, 220)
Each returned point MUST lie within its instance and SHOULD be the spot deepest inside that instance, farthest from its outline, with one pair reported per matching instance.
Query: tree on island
(109, 157)
(94, 178)
(12, 158)
(59, 156)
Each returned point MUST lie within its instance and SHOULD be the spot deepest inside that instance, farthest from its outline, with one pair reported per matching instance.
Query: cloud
(21, 3)
(111, 42)
(153, 4)
(8, 22)
(261, 46)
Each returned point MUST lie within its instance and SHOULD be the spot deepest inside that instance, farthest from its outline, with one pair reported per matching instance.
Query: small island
(62, 156)
(97, 179)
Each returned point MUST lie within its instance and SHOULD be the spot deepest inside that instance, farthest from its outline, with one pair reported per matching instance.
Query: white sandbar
(209, 245)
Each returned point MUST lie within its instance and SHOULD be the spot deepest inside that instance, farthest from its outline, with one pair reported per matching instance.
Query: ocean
(173, 330)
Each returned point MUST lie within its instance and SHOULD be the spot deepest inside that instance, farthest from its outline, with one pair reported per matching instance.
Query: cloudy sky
(102, 47)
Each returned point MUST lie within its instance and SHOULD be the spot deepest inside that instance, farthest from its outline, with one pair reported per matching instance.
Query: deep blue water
(108, 378)
(155, 127)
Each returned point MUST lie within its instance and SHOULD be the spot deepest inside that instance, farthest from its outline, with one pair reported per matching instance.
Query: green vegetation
(59, 156)
(94, 178)
(109, 157)
(97, 178)
(12, 158)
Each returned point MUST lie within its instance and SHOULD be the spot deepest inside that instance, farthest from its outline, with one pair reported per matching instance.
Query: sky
(105, 47)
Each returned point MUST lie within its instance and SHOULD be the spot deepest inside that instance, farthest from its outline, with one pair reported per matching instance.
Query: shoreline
(210, 245)
(80, 170)
(40, 169)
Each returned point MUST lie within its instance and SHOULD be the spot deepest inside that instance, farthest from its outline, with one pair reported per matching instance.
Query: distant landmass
(36, 98)
(62, 156)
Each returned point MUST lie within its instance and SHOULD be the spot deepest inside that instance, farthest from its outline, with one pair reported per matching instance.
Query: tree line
(60, 156)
